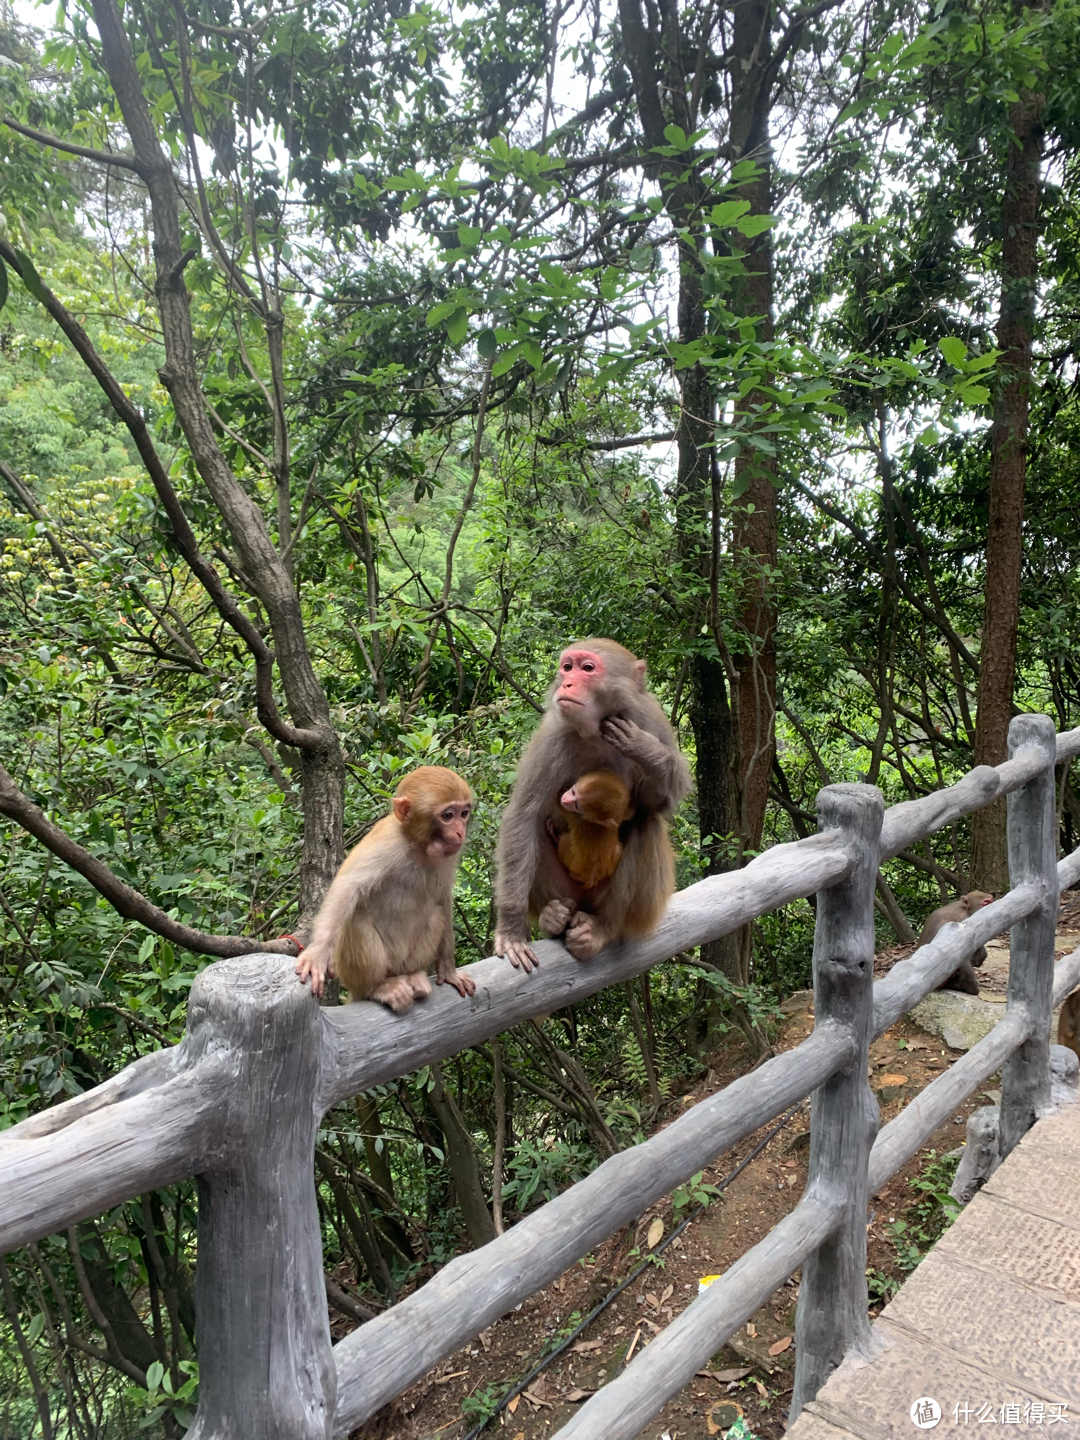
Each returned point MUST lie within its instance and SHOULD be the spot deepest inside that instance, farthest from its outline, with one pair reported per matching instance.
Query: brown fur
(387, 919)
(1069, 1022)
(963, 977)
(599, 716)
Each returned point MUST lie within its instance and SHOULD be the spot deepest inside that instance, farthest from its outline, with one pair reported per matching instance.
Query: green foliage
(927, 1219)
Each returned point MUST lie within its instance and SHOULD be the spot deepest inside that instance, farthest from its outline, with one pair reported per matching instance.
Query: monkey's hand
(585, 937)
(317, 966)
(556, 916)
(464, 984)
(634, 742)
(519, 952)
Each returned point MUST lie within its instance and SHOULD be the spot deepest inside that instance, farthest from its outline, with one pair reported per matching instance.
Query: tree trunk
(322, 762)
(1008, 466)
(754, 537)
(461, 1162)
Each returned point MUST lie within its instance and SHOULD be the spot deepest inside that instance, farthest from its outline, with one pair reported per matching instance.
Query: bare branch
(126, 901)
(101, 157)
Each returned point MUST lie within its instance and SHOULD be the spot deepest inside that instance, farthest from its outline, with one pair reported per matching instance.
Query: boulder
(960, 1020)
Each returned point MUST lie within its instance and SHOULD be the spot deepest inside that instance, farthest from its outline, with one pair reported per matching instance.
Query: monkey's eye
(568, 665)
(588, 665)
(447, 816)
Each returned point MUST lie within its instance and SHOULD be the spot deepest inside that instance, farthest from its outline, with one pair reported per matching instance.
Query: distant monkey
(591, 811)
(963, 978)
(388, 918)
(599, 716)
(1069, 1023)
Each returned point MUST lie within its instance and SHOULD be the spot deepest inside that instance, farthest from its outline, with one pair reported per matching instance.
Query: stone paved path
(990, 1318)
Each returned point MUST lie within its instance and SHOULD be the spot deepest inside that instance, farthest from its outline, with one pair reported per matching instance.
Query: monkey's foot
(519, 952)
(311, 966)
(421, 985)
(464, 984)
(399, 992)
(585, 937)
(556, 916)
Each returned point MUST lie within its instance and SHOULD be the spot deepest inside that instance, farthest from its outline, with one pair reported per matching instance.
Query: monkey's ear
(402, 808)
(639, 673)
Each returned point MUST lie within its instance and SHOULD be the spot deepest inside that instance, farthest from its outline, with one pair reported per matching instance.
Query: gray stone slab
(873, 1400)
(1025, 1338)
(1039, 1183)
(1040, 1254)
(807, 1427)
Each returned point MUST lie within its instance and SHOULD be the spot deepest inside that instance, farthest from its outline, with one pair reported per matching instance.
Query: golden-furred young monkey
(387, 919)
(586, 826)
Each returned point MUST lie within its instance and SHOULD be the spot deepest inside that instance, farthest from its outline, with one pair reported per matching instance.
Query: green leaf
(533, 353)
(676, 135)
(469, 236)
(486, 344)
(154, 1377)
(755, 224)
(609, 284)
(954, 350)
(457, 325)
(729, 211)
(36, 1326)
(505, 363)
(439, 312)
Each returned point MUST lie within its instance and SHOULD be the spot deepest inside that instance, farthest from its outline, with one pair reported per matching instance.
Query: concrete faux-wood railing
(239, 1101)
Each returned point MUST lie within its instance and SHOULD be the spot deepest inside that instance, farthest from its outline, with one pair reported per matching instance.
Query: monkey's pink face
(581, 679)
(570, 800)
(449, 827)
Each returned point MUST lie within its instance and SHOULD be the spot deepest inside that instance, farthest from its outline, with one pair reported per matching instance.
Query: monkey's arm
(337, 910)
(519, 840)
(446, 971)
(666, 775)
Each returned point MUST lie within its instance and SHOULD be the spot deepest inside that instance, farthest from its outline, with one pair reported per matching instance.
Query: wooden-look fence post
(832, 1314)
(1032, 827)
(265, 1367)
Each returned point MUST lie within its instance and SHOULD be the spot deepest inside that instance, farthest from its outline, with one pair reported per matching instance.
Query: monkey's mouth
(567, 700)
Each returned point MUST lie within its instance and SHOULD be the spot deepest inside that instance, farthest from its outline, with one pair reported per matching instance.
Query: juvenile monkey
(963, 978)
(1069, 1022)
(387, 917)
(599, 716)
(591, 811)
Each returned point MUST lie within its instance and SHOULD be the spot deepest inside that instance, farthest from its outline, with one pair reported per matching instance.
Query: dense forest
(355, 355)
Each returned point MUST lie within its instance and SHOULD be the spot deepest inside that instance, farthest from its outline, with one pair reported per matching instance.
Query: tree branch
(182, 533)
(102, 157)
(126, 901)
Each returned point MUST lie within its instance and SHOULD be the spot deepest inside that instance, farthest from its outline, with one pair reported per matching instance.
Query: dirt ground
(744, 1378)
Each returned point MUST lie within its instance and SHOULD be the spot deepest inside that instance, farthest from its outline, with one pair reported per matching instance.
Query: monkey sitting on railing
(963, 977)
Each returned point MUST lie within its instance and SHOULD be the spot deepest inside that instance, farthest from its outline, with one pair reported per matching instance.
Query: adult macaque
(586, 828)
(599, 716)
(963, 978)
(1069, 1023)
(388, 918)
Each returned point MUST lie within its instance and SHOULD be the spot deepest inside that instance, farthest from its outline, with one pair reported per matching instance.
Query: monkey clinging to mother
(599, 715)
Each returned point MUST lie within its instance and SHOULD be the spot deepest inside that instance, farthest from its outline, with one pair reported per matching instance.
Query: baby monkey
(591, 812)
(387, 918)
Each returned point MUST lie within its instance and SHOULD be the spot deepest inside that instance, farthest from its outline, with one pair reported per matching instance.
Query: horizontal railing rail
(238, 1102)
